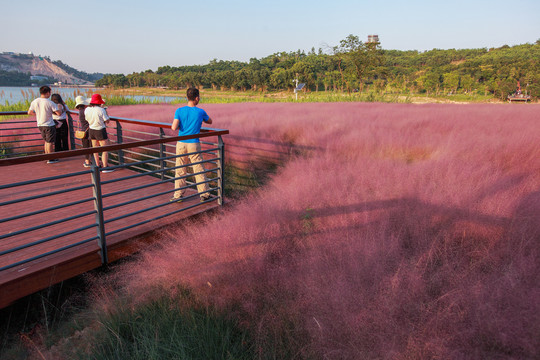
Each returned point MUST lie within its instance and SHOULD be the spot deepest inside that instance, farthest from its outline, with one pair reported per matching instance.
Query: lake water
(12, 95)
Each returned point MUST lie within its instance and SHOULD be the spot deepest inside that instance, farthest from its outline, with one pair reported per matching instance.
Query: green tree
(430, 82)
(451, 81)
(279, 79)
(467, 82)
(357, 58)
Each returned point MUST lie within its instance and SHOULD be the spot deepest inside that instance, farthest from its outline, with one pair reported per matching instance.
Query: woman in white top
(62, 130)
(98, 119)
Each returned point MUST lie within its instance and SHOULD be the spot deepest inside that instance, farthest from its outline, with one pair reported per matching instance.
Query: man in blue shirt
(188, 120)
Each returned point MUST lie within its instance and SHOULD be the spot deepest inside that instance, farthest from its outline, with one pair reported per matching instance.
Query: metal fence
(42, 215)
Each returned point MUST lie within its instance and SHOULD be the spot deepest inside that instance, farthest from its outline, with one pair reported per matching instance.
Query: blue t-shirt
(190, 121)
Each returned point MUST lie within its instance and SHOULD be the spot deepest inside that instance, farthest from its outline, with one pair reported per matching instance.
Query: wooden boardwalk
(27, 278)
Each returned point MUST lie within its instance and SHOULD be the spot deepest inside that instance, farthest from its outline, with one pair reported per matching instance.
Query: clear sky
(125, 36)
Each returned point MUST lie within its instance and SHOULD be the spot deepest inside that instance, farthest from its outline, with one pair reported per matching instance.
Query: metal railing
(45, 215)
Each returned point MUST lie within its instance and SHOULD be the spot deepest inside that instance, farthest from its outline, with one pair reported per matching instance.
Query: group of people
(51, 115)
(93, 120)
(52, 122)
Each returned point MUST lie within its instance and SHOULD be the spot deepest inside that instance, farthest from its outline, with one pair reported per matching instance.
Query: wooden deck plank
(38, 274)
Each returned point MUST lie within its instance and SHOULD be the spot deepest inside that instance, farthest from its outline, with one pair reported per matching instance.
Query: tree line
(15, 78)
(354, 66)
(78, 74)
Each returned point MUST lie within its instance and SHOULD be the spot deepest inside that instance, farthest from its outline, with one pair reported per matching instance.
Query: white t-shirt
(63, 116)
(96, 117)
(43, 107)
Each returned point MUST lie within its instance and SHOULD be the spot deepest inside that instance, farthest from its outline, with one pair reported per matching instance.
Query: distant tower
(372, 39)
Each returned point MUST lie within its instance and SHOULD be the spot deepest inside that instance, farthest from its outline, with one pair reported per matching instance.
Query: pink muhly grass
(389, 231)
(27, 131)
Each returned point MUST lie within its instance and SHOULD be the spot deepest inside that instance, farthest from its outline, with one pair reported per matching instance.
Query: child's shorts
(98, 134)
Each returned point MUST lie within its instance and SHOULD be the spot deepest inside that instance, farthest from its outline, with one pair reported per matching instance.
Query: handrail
(71, 153)
(64, 154)
(115, 118)
(14, 113)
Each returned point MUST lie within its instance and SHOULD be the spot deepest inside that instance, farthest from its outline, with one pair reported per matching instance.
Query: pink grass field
(392, 231)
(21, 132)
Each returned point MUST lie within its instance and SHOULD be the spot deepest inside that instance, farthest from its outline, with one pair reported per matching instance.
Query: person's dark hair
(56, 98)
(192, 94)
(44, 89)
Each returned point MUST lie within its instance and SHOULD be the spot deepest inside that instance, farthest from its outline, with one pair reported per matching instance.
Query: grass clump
(35, 323)
(168, 327)
(113, 100)
(119, 100)
(20, 106)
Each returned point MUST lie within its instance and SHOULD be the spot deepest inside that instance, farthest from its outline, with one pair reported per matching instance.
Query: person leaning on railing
(98, 119)
(188, 120)
(44, 108)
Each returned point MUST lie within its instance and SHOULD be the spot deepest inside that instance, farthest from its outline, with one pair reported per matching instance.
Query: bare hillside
(37, 66)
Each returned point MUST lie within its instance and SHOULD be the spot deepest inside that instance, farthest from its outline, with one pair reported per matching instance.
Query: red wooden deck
(38, 274)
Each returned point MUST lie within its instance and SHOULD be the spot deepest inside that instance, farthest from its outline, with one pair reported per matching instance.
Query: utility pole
(298, 86)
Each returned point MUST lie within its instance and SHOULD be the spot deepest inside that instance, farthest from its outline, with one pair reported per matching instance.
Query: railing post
(98, 206)
(221, 171)
(71, 133)
(119, 140)
(162, 154)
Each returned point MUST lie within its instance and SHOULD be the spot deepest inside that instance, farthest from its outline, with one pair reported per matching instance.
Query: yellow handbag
(80, 134)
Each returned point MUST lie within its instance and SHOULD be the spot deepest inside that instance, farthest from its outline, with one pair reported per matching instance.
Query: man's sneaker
(53, 161)
(176, 199)
(207, 197)
(107, 170)
(86, 165)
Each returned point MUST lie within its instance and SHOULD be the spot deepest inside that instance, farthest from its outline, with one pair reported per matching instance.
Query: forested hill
(26, 69)
(356, 66)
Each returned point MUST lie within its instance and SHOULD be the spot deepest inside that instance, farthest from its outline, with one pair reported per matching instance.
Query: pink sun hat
(96, 99)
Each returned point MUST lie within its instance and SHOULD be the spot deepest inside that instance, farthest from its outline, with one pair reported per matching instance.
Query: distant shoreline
(76, 86)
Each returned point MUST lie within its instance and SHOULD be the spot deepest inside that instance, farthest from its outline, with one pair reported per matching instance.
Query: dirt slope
(37, 66)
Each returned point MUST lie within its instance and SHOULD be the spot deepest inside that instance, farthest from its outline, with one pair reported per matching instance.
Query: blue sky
(131, 36)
